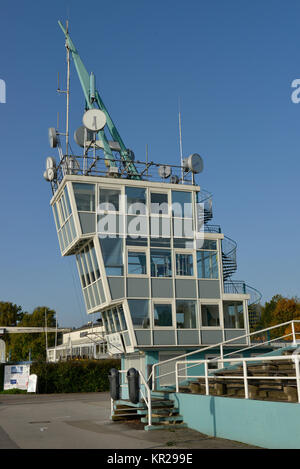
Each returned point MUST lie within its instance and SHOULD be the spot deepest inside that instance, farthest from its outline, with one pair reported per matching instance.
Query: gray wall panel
(188, 337)
(164, 337)
(143, 337)
(162, 288)
(116, 286)
(211, 337)
(185, 288)
(87, 222)
(209, 289)
(230, 334)
(137, 288)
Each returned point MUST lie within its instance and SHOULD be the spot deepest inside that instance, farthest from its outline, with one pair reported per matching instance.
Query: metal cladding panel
(162, 288)
(137, 288)
(143, 337)
(209, 289)
(163, 337)
(211, 337)
(87, 222)
(230, 334)
(116, 286)
(185, 288)
(188, 337)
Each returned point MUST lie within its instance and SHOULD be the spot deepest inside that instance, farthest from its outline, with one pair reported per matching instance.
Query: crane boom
(92, 97)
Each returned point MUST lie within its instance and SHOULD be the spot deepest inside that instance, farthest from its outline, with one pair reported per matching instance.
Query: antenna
(180, 138)
(68, 89)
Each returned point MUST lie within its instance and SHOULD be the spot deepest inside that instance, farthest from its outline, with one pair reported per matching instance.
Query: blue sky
(231, 63)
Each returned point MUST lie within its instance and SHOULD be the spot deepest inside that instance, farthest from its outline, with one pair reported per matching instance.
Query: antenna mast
(180, 139)
(68, 90)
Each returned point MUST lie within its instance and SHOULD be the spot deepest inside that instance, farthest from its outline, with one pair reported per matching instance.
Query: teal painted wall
(274, 425)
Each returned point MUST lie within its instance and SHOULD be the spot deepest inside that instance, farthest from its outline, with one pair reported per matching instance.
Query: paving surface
(81, 421)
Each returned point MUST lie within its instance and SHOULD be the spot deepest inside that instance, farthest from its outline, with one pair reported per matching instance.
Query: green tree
(21, 345)
(10, 314)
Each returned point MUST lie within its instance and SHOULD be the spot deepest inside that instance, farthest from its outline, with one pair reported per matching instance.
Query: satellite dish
(164, 171)
(50, 162)
(50, 174)
(174, 179)
(193, 163)
(52, 137)
(79, 136)
(94, 119)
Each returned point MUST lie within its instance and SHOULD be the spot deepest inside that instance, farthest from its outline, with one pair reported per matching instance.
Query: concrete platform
(81, 421)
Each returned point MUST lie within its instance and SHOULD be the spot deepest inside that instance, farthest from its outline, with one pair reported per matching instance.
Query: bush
(73, 375)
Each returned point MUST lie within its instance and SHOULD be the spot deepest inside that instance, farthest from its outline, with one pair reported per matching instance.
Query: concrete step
(163, 420)
(119, 417)
(164, 426)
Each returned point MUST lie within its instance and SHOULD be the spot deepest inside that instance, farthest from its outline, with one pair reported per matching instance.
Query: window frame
(141, 249)
(163, 301)
(188, 252)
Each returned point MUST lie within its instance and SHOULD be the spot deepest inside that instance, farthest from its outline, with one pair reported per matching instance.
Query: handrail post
(294, 334)
(245, 379)
(153, 376)
(296, 358)
(176, 376)
(222, 355)
(206, 378)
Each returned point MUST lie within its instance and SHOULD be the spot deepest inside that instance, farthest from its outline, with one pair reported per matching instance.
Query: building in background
(82, 343)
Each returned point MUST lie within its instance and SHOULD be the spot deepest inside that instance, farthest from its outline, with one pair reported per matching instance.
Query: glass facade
(233, 314)
(137, 263)
(207, 264)
(162, 313)
(161, 273)
(112, 252)
(139, 311)
(186, 314)
(210, 315)
(184, 264)
(161, 264)
(84, 197)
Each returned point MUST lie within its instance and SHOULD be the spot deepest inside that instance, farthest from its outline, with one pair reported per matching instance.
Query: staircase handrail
(220, 344)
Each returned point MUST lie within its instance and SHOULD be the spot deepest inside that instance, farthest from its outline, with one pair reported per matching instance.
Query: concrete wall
(274, 425)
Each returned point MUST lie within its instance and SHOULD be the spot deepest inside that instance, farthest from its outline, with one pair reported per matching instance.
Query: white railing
(245, 377)
(220, 345)
(147, 397)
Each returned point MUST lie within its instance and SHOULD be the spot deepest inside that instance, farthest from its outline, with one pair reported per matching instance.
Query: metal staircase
(164, 414)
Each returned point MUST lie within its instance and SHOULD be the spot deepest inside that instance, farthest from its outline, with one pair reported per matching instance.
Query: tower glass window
(210, 315)
(233, 314)
(184, 264)
(161, 265)
(182, 204)
(136, 200)
(159, 203)
(207, 264)
(162, 315)
(186, 314)
(137, 263)
(112, 252)
(84, 196)
(139, 311)
(109, 200)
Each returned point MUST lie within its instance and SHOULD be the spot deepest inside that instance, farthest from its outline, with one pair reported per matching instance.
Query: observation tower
(151, 265)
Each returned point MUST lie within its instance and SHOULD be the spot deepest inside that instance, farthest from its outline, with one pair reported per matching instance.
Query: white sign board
(32, 382)
(114, 343)
(16, 376)
(2, 351)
